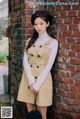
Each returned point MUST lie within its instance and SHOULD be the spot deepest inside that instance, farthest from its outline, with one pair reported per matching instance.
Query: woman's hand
(31, 88)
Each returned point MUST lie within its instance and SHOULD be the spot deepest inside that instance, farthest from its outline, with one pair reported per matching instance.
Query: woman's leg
(43, 111)
(30, 107)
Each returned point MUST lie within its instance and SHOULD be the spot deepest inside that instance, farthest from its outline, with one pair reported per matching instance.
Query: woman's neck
(43, 37)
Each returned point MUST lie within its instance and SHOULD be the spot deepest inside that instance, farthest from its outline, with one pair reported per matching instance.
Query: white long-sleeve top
(54, 47)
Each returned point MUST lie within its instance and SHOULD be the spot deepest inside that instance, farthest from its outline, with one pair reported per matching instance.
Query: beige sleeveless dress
(37, 56)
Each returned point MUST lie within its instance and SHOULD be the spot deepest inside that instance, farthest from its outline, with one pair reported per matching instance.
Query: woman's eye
(35, 24)
(41, 23)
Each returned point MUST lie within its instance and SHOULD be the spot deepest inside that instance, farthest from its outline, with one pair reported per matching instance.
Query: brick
(71, 108)
(74, 88)
(76, 102)
(73, 27)
(70, 40)
(24, 12)
(61, 53)
(61, 66)
(72, 13)
(64, 86)
(57, 14)
(78, 13)
(78, 68)
(71, 95)
(60, 34)
(28, 31)
(27, 5)
(66, 7)
(67, 101)
(78, 41)
(62, 106)
(59, 21)
(27, 18)
(57, 84)
(74, 74)
(70, 68)
(66, 114)
(67, 33)
(59, 79)
(17, 2)
(61, 92)
(65, 46)
(56, 71)
(69, 80)
(76, 7)
(76, 47)
(71, 54)
(76, 116)
(78, 54)
(75, 61)
(63, 60)
(27, 25)
(77, 20)
(62, 27)
(64, 73)
(68, 20)
(62, 40)
(77, 33)
(78, 96)
(58, 98)
(63, 14)
(78, 88)
(58, 8)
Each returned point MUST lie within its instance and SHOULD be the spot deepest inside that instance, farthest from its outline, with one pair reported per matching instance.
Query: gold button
(38, 55)
(31, 65)
(32, 55)
(40, 46)
(35, 77)
(37, 66)
(33, 45)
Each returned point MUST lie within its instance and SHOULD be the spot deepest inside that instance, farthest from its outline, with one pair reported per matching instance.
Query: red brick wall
(67, 31)
(66, 87)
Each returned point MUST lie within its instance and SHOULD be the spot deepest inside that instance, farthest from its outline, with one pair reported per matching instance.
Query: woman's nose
(38, 26)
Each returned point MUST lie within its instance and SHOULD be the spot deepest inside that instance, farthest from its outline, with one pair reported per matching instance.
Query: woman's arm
(26, 66)
(46, 70)
(27, 69)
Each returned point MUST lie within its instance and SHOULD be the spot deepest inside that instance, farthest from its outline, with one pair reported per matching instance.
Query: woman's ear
(48, 23)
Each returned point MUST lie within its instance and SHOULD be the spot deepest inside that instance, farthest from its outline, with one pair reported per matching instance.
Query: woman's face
(40, 25)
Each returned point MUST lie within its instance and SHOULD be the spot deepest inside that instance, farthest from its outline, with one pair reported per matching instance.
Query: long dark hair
(47, 17)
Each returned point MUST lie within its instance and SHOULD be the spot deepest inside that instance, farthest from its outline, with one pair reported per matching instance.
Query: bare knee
(30, 107)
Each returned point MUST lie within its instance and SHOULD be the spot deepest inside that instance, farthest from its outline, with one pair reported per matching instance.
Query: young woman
(39, 56)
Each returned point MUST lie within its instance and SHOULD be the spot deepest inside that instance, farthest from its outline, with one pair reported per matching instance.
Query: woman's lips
(39, 30)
